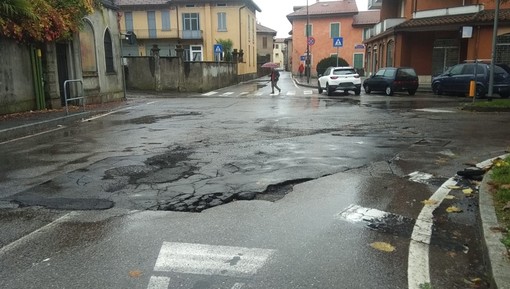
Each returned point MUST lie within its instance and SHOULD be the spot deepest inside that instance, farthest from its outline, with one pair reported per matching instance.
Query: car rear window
(406, 72)
(343, 71)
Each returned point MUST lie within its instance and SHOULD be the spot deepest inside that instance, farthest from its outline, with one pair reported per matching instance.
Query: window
(358, 60)
(190, 21)
(276, 46)
(128, 20)
(108, 52)
(389, 53)
(190, 5)
(309, 31)
(193, 53)
(264, 42)
(88, 48)
(165, 20)
(334, 30)
(222, 21)
(151, 21)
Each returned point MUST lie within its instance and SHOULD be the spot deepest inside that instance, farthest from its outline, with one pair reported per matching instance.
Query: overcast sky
(274, 13)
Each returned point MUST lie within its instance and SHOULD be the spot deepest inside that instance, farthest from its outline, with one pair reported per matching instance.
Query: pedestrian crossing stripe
(227, 93)
(204, 259)
(307, 92)
(210, 93)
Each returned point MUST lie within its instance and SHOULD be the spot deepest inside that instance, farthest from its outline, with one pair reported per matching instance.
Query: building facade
(194, 25)
(441, 32)
(326, 21)
(280, 52)
(265, 43)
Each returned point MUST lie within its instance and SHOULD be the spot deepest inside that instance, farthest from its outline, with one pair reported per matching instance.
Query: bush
(330, 61)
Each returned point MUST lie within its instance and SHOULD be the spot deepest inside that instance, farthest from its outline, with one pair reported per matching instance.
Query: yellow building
(197, 25)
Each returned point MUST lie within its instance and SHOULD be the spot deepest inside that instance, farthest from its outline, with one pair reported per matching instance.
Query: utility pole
(307, 44)
(493, 56)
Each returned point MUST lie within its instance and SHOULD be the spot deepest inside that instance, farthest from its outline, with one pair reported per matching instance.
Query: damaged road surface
(242, 191)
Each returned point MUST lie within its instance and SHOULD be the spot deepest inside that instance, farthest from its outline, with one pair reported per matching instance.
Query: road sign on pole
(311, 41)
(218, 48)
(338, 42)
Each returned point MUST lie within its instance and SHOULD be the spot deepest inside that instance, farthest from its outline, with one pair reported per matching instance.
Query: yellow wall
(243, 36)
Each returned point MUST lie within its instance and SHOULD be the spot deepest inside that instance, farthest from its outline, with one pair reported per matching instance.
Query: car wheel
(412, 91)
(388, 91)
(480, 91)
(320, 88)
(436, 89)
(357, 91)
(329, 90)
(367, 88)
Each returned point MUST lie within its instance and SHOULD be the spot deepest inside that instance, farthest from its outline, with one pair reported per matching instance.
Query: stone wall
(16, 86)
(173, 74)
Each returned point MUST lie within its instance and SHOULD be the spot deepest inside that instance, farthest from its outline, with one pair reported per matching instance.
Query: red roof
(326, 8)
(367, 18)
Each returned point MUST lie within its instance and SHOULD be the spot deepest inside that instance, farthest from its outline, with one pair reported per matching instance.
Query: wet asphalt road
(304, 157)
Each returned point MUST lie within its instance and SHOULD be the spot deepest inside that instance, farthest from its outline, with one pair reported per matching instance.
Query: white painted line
(30, 238)
(418, 272)
(434, 110)
(419, 177)
(355, 213)
(210, 260)
(243, 93)
(151, 102)
(32, 135)
(488, 163)
(291, 93)
(158, 282)
(238, 286)
(105, 114)
(258, 93)
(210, 93)
(227, 93)
(307, 92)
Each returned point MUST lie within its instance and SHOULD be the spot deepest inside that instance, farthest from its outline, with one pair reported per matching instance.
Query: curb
(45, 125)
(498, 262)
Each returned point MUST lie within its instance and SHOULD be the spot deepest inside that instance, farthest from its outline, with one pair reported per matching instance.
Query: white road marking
(434, 110)
(32, 135)
(418, 272)
(258, 93)
(108, 113)
(291, 93)
(159, 282)
(307, 92)
(209, 93)
(355, 213)
(30, 238)
(238, 286)
(243, 93)
(419, 177)
(210, 260)
(488, 163)
(227, 93)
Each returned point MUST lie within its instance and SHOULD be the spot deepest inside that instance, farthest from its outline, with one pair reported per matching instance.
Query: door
(445, 54)
(63, 69)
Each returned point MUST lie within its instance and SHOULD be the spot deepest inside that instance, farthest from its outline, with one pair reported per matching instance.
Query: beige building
(265, 41)
(280, 52)
(197, 25)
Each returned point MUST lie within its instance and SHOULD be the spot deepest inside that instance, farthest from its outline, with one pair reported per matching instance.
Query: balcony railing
(385, 25)
(374, 4)
(448, 11)
(191, 34)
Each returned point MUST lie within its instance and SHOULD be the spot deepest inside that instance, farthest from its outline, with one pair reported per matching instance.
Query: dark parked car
(456, 79)
(392, 79)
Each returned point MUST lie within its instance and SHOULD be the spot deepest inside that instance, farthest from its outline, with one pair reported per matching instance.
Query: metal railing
(80, 96)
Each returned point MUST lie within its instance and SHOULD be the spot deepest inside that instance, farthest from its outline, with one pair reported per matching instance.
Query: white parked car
(343, 78)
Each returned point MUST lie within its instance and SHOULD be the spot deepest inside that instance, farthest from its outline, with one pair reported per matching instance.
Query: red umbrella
(270, 65)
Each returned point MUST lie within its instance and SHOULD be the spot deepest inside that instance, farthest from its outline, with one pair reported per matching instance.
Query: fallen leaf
(452, 254)
(382, 246)
(454, 187)
(449, 197)
(135, 273)
(467, 191)
(429, 202)
(453, 209)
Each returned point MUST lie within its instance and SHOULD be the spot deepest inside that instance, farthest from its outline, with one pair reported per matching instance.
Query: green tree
(227, 48)
(330, 61)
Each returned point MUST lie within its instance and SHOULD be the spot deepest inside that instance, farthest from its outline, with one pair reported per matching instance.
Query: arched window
(389, 52)
(503, 49)
(88, 48)
(108, 52)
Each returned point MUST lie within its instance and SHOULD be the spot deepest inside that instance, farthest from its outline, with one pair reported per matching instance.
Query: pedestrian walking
(275, 75)
(301, 69)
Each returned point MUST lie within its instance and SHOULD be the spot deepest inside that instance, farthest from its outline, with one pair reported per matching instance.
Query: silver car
(343, 78)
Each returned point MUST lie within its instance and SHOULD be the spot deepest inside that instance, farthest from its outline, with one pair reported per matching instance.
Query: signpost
(338, 42)
(218, 49)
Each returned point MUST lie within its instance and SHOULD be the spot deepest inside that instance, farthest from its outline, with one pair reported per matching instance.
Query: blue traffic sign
(302, 57)
(338, 42)
(218, 48)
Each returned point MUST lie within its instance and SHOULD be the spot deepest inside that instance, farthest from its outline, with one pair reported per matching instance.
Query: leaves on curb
(449, 197)
(135, 273)
(429, 202)
(453, 209)
(383, 246)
